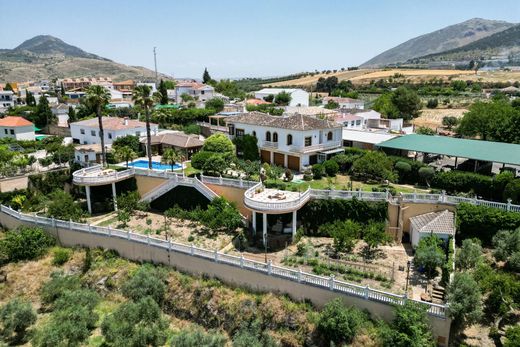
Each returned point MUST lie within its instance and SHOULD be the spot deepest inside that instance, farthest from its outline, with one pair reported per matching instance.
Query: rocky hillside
(47, 57)
(448, 38)
(504, 45)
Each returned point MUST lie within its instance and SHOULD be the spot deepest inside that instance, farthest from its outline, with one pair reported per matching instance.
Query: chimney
(125, 121)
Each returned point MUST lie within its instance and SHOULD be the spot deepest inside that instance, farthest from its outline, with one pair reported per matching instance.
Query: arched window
(275, 137)
(329, 136)
(289, 140)
(254, 133)
(268, 136)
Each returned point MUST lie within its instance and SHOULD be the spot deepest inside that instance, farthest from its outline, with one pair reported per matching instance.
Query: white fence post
(216, 256)
(53, 222)
(443, 196)
(331, 282)
(241, 182)
(148, 238)
(169, 245)
(70, 224)
(366, 292)
(269, 266)
(508, 206)
(414, 195)
(241, 260)
(299, 275)
(89, 228)
(128, 235)
(192, 249)
(220, 180)
(109, 231)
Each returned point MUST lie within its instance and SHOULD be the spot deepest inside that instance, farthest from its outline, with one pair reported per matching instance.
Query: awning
(333, 151)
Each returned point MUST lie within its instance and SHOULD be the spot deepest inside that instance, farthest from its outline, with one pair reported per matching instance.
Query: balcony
(96, 175)
(315, 148)
(270, 144)
(273, 201)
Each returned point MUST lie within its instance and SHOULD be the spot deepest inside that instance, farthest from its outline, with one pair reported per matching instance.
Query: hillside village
(364, 206)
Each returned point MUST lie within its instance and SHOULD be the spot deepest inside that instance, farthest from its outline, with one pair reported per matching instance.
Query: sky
(240, 38)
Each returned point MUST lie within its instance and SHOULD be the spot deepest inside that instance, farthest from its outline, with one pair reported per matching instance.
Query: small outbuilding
(440, 223)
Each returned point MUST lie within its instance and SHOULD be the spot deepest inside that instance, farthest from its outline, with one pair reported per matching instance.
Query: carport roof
(497, 152)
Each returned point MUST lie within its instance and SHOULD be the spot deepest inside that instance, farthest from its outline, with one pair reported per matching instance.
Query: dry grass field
(364, 76)
(432, 118)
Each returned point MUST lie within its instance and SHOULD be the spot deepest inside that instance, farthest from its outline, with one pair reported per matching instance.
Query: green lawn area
(190, 170)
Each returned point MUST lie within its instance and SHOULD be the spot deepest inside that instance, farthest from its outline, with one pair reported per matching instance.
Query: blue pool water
(155, 165)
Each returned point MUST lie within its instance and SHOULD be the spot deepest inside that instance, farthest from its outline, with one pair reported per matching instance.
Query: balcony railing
(274, 206)
(270, 144)
(318, 147)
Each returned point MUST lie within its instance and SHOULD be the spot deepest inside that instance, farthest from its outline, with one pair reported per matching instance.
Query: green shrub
(426, 174)
(339, 324)
(57, 286)
(199, 159)
(331, 168)
(197, 337)
(15, 317)
(373, 166)
(429, 255)
(25, 243)
(512, 336)
(432, 103)
(317, 171)
(454, 182)
(60, 256)
(146, 281)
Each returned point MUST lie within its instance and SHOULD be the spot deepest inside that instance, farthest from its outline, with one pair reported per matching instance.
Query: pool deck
(155, 159)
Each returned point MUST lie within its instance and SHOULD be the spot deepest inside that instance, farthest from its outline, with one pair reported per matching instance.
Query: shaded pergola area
(273, 231)
(477, 151)
(217, 120)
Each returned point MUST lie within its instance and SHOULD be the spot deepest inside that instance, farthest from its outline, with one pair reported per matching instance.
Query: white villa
(346, 103)
(199, 91)
(86, 132)
(17, 128)
(299, 97)
(295, 141)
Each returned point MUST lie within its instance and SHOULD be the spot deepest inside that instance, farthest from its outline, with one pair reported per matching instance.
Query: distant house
(87, 131)
(122, 86)
(314, 111)
(441, 224)
(198, 91)
(299, 97)
(89, 154)
(61, 112)
(294, 142)
(75, 95)
(16, 128)
(83, 82)
(6, 100)
(346, 103)
(187, 144)
(153, 87)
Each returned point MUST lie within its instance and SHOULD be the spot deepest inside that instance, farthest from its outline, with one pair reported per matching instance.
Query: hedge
(459, 181)
(483, 222)
(318, 212)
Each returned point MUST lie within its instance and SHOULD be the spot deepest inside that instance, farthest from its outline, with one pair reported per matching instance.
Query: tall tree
(72, 114)
(487, 120)
(124, 153)
(164, 93)
(205, 76)
(407, 102)
(170, 156)
(8, 87)
(43, 112)
(99, 97)
(29, 99)
(142, 97)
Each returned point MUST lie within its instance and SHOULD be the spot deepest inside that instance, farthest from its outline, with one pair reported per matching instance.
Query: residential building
(314, 111)
(83, 82)
(294, 141)
(346, 103)
(17, 128)
(153, 87)
(86, 155)
(122, 86)
(75, 95)
(6, 100)
(441, 224)
(299, 97)
(365, 138)
(183, 143)
(198, 91)
(61, 112)
(87, 131)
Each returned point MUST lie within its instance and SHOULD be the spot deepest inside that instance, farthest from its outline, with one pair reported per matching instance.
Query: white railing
(289, 205)
(270, 144)
(230, 182)
(349, 194)
(328, 283)
(176, 180)
(95, 175)
(317, 147)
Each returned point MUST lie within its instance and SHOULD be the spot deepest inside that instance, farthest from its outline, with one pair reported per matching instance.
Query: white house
(441, 224)
(346, 103)
(6, 100)
(294, 141)
(299, 97)
(17, 128)
(87, 131)
(89, 154)
(153, 87)
(198, 91)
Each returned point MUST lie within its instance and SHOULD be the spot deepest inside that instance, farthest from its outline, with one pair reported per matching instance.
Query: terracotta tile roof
(96, 147)
(113, 123)
(12, 121)
(256, 102)
(293, 122)
(123, 83)
(179, 140)
(435, 222)
(347, 117)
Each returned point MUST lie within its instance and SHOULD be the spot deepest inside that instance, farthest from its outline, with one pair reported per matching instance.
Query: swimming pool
(143, 164)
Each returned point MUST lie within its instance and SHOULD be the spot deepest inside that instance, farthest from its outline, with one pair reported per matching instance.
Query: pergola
(488, 151)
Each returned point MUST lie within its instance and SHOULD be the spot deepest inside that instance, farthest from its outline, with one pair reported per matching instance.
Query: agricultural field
(432, 118)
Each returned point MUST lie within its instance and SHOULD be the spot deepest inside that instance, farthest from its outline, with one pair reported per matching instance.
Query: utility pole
(155, 62)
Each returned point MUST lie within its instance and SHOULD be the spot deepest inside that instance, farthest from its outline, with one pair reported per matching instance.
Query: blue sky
(241, 37)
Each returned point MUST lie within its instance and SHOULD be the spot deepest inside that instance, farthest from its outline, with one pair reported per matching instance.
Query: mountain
(48, 57)
(502, 46)
(451, 37)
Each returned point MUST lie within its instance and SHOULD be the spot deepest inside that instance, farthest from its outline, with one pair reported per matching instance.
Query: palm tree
(170, 156)
(141, 97)
(99, 97)
(125, 153)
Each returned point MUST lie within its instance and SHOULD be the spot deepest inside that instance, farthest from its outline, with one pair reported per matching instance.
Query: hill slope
(47, 57)
(502, 45)
(448, 38)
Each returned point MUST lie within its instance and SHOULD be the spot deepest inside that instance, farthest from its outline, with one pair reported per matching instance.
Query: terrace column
(285, 159)
(89, 203)
(293, 225)
(254, 222)
(114, 195)
(272, 157)
(264, 227)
